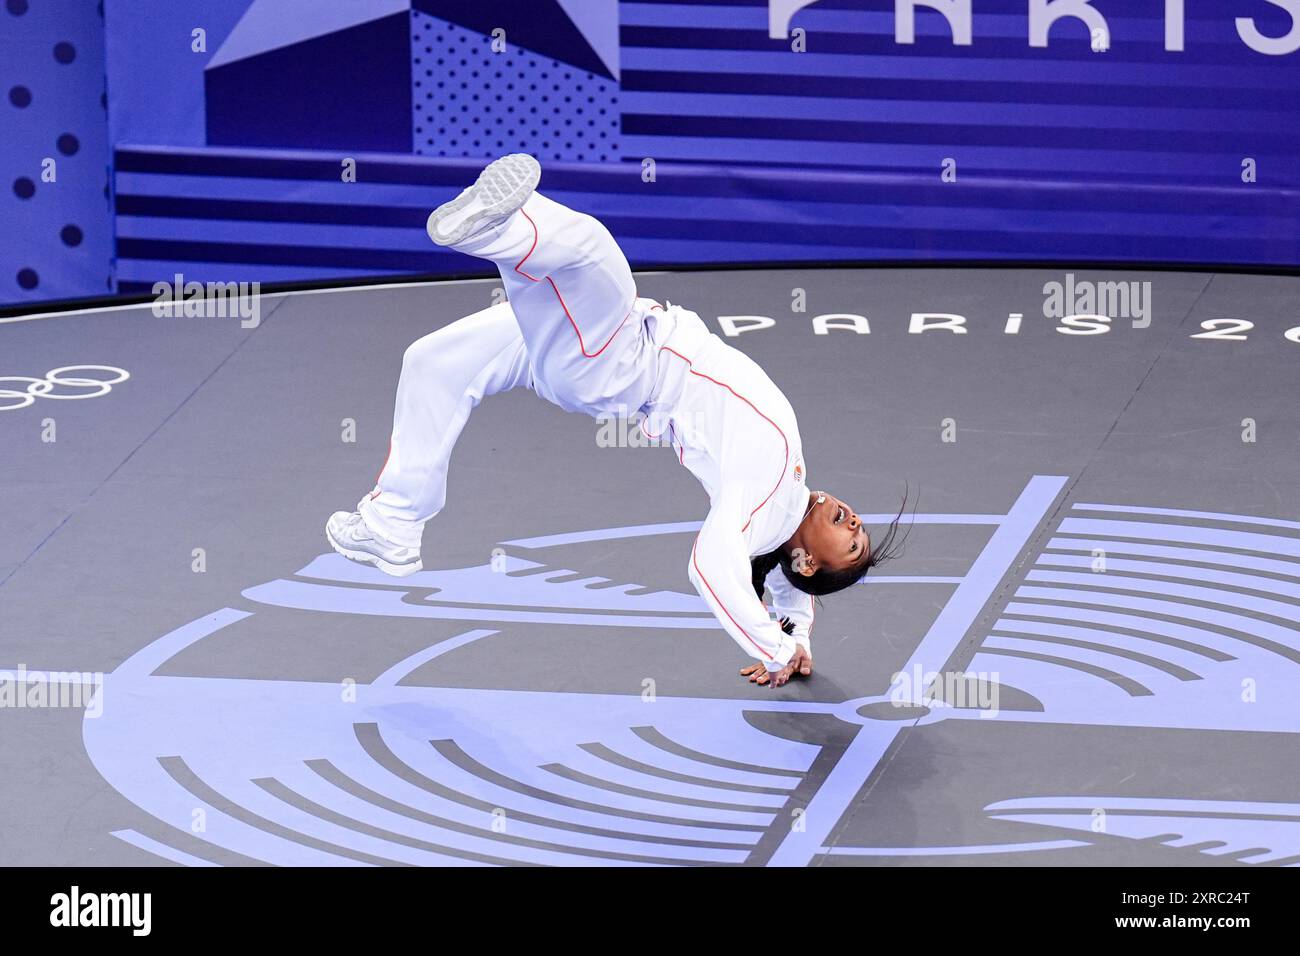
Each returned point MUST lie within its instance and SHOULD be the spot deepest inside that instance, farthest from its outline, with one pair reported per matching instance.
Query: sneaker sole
(503, 186)
(374, 561)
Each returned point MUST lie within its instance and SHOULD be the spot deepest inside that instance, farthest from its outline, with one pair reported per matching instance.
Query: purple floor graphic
(1098, 633)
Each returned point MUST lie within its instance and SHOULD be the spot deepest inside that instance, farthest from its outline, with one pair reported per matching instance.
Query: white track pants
(572, 329)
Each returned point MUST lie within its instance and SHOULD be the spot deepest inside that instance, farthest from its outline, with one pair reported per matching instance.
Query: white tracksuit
(574, 331)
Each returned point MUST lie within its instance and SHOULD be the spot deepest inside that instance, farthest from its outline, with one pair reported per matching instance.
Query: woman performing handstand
(574, 330)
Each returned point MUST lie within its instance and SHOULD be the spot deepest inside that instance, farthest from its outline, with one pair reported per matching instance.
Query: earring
(800, 561)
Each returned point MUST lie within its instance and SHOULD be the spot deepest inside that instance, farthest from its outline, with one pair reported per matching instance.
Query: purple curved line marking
(1224, 597)
(1180, 513)
(1177, 656)
(1237, 826)
(413, 798)
(1287, 636)
(152, 656)
(683, 527)
(1189, 572)
(1273, 544)
(606, 534)
(1077, 659)
(319, 597)
(157, 848)
(409, 665)
(953, 850)
(440, 770)
(1223, 643)
(304, 783)
(628, 744)
(1212, 558)
(603, 771)
(1151, 804)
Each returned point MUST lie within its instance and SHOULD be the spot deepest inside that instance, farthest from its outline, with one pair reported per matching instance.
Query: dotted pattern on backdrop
(471, 102)
(55, 205)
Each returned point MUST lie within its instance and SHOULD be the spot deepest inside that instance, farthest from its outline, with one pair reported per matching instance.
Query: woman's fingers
(758, 673)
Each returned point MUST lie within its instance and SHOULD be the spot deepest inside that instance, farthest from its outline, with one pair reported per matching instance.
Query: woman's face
(833, 536)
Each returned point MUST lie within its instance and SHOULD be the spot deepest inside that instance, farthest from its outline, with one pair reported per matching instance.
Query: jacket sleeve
(791, 603)
(719, 569)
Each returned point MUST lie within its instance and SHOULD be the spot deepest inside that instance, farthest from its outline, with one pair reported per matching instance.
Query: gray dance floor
(1103, 568)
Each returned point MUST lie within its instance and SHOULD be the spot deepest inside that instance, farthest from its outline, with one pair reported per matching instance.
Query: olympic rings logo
(56, 378)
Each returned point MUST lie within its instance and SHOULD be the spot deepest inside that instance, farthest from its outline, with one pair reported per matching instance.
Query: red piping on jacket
(696, 563)
(784, 440)
(694, 559)
(581, 344)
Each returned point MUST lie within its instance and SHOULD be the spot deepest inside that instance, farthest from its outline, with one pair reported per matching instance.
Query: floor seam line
(996, 599)
(1049, 520)
(144, 441)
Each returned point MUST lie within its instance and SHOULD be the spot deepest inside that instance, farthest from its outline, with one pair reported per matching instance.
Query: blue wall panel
(349, 90)
(56, 240)
(823, 138)
(155, 73)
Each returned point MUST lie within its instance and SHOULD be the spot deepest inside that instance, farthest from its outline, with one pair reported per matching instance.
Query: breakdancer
(574, 330)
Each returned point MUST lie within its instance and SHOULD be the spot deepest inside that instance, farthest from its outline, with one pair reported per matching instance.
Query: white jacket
(736, 432)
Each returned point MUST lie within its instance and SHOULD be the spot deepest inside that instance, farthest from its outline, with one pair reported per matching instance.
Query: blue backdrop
(699, 130)
(56, 224)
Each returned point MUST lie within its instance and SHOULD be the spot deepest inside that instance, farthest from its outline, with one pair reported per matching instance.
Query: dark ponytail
(760, 567)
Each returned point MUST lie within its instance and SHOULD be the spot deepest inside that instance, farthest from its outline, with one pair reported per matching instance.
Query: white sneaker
(349, 535)
(503, 186)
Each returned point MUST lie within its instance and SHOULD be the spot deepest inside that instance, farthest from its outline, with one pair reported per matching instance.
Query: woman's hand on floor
(801, 664)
